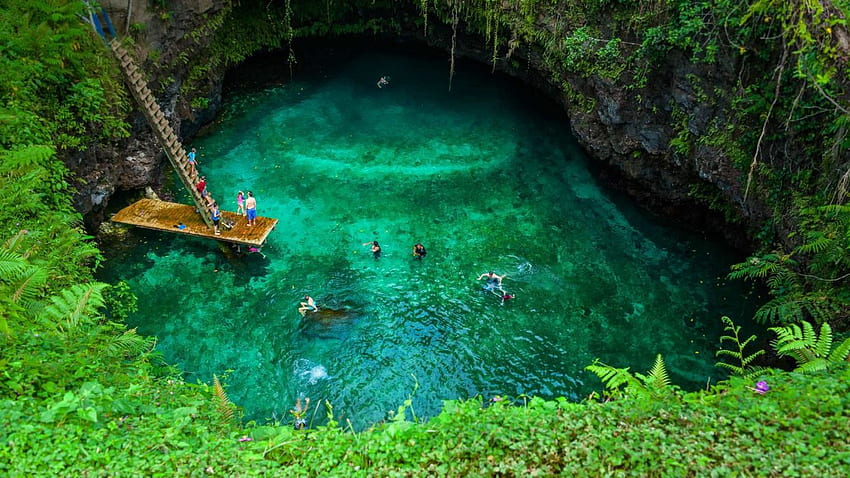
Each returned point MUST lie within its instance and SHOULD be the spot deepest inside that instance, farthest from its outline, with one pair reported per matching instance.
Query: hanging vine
(424, 8)
(454, 42)
(495, 31)
(290, 34)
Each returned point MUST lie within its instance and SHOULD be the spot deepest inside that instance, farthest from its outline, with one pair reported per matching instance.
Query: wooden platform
(165, 216)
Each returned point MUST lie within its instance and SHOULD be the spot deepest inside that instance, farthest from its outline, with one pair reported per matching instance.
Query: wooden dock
(166, 216)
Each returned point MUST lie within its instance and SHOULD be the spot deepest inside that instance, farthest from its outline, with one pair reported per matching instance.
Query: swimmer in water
(419, 251)
(299, 413)
(308, 306)
(376, 249)
(494, 281)
(384, 81)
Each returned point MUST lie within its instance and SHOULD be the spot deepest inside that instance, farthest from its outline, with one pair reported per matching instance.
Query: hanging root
(780, 69)
(454, 43)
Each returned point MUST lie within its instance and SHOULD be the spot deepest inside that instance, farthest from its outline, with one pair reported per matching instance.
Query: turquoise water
(481, 176)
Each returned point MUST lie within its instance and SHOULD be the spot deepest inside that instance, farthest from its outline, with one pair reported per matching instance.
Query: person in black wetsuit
(419, 251)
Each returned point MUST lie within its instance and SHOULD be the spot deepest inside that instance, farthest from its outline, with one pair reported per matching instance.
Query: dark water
(480, 176)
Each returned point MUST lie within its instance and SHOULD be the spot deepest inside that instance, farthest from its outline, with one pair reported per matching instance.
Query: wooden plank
(165, 216)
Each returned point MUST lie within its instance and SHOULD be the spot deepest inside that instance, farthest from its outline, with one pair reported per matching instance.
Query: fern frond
(611, 377)
(838, 210)
(756, 267)
(815, 365)
(731, 353)
(823, 344)
(840, 353)
(223, 404)
(73, 306)
(816, 242)
(781, 310)
(658, 377)
(28, 286)
(746, 361)
(11, 264)
(129, 344)
(754, 372)
(26, 157)
(736, 370)
(809, 334)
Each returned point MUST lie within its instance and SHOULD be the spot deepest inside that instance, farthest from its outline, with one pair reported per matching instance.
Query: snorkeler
(308, 306)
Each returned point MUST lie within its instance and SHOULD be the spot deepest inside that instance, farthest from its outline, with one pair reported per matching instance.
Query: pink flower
(246, 438)
(761, 387)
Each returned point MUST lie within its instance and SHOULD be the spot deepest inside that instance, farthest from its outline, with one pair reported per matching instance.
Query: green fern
(25, 158)
(28, 285)
(780, 310)
(657, 377)
(613, 378)
(226, 408)
(128, 344)
(743, 367)
(811, 350)
(758, 267)
(73, 307)
(11, 265)
(619, 382)
(816, 242)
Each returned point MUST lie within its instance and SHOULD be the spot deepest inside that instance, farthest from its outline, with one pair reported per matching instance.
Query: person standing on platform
(216, 217)
(251, 208)
(240, 203)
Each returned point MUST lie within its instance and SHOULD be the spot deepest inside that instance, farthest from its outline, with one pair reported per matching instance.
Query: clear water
(486, 181)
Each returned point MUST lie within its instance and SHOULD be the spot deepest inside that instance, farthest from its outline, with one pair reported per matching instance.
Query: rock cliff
(628, 131)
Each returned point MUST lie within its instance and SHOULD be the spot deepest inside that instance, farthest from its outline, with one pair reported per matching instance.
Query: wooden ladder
(162, 129)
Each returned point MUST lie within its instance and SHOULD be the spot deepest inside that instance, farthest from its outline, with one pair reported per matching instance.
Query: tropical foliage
(813, 351)
(742, 365)
(620, 383)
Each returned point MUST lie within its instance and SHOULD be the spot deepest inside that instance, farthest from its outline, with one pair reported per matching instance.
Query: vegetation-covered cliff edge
(80, 394)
